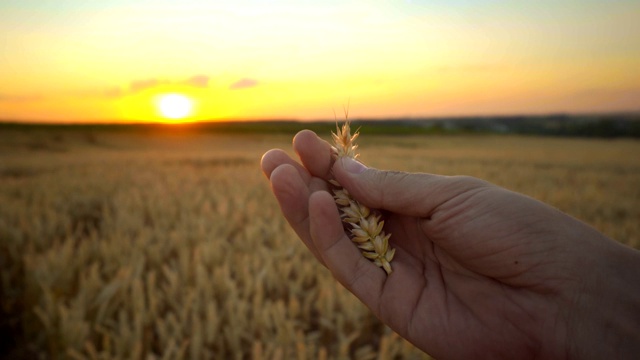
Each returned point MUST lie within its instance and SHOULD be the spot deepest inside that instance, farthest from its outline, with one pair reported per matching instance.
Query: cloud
(200, 81)
(243, 84)
(107, 92)
(112, 92)
(472, 68)
(135, 86)
(603, 99)
(139, 85)
(12, 98)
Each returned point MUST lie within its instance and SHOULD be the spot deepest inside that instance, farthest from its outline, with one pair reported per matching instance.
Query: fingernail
(353, 166)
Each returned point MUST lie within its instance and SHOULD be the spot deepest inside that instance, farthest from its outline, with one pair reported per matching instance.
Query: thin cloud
(602, 99)
(13, 98)
(243, 84)
(200, 81)
(109, 92)
(113, 92)
(139, 85)
(197, 81)
(473, 68)
(136, 86)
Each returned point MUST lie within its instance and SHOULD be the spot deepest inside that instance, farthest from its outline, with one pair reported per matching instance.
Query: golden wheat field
(118, 245)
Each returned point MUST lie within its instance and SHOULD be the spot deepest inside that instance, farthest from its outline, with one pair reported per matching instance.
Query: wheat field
(118, 245)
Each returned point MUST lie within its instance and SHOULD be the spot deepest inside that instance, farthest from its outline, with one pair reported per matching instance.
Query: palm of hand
(487, 294)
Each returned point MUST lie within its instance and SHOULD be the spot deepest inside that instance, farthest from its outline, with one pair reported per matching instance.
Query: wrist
(605, 319)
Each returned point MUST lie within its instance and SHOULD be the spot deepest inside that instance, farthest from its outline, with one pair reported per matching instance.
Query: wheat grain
(364, 226)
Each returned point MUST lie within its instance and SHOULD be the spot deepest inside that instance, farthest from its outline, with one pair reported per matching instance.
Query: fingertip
(314, 152)
(275, 158)
(303, 136)
(285, 177)
(303, 141)
(271, 160)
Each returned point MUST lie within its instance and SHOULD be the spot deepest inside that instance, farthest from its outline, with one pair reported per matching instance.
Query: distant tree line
(601, 126)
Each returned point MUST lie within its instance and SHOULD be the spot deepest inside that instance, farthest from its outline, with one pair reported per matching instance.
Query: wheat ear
(363, 225)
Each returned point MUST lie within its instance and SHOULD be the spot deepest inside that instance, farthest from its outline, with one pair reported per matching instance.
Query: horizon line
(294, 120)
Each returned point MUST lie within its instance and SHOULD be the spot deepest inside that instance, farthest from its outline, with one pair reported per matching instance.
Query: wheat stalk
(363, 226)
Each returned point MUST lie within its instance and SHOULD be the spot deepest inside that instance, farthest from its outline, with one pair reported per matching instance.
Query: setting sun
(174, 106)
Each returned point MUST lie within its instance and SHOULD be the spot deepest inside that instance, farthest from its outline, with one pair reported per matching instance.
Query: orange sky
(79, 61)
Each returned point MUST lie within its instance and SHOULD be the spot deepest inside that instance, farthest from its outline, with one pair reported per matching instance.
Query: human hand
(479, 271)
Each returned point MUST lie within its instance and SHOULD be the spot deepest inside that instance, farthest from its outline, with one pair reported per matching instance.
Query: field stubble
(168, 246)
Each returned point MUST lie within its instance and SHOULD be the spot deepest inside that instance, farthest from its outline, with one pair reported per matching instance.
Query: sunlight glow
(174, 106)
(203, 60)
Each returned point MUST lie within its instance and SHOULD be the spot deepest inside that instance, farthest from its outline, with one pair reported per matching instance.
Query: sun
(174, 106)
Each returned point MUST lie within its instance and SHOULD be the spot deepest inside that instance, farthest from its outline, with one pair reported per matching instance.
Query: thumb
(413, 194)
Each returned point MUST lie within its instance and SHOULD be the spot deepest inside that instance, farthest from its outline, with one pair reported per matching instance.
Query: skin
(479, 271)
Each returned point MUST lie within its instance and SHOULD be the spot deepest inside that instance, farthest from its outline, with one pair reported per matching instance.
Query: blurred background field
(169, 244)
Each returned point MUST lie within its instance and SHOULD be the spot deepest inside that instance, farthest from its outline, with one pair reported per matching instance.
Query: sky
(112, 60)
